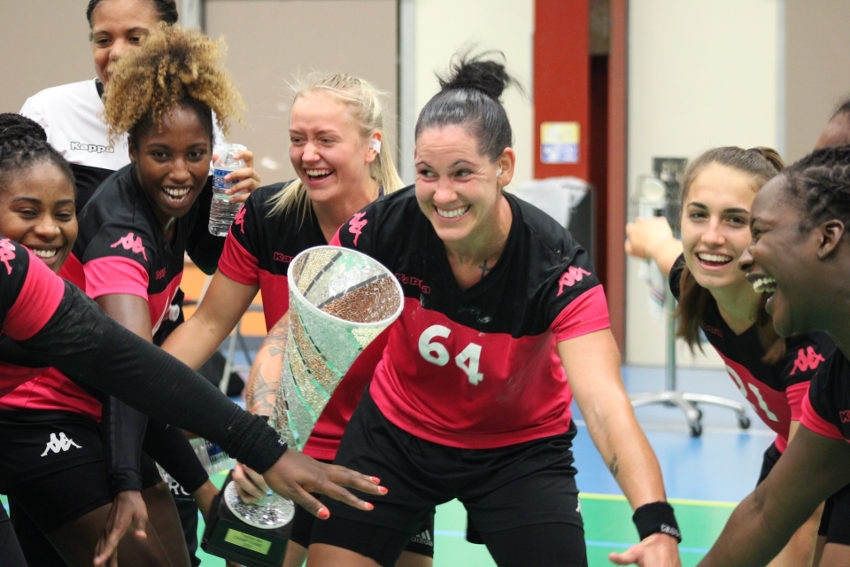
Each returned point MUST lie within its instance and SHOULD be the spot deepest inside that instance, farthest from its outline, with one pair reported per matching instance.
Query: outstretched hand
(645, 237)
(128, 510)
(295, 476)
(656, 550)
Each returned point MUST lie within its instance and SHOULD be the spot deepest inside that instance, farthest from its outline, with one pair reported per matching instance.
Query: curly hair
(174, 67)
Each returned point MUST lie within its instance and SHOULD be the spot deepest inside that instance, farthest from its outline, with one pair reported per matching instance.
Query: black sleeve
(90, 347)
(675, 277)
(170, 447)
(122, 429)
(203, 248)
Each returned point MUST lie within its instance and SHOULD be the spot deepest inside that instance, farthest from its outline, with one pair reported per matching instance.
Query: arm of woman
(651, 238)
(260, 395)
(812, 467)
(592, 363)
(224, 303)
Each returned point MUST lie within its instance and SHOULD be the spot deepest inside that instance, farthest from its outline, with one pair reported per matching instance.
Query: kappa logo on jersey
(807, 359)
(59, 444)
(92, 148)
(7, 252)
(356, 224)
(571, 277)
(844, 415)
(132, 243)
(239, 220)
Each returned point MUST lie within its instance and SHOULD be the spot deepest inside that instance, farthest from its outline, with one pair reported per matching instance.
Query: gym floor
(700, 482)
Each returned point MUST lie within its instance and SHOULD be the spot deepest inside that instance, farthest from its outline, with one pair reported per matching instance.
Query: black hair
(19, 151)
(470, 97)
(165, 9)
(820, 182)
(14, 125)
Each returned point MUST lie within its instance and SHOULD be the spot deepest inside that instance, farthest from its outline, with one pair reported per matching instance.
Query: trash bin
(570, 201)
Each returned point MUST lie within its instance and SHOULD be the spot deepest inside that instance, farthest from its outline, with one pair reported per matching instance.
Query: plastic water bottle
(222, 211)
(211, 455)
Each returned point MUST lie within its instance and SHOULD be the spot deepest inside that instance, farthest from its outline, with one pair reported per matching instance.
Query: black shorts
(771, 455)
(835, 521)
(53, 466)
(530, 483)
(421, 543)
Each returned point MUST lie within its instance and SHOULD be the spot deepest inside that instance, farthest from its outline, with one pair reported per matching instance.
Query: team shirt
(478, 368)
(826, 410)
(48, 389)
(257, 252)
(774, 391)
(123, 249)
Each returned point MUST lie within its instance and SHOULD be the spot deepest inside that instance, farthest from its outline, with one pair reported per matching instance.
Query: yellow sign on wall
(559, 142)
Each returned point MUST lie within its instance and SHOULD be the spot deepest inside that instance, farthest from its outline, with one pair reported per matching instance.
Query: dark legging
(543, 545)
(10, 551)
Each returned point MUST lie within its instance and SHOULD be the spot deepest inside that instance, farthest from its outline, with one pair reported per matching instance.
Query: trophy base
(229, 537)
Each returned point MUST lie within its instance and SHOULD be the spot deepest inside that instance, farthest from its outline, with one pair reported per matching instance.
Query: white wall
(441, 28)
(701, 74)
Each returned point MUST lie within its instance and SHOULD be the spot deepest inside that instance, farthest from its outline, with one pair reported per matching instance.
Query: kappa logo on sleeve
(239, 220)
(356, 225)
(131, 243)
(807, 359)
(571, 277)
(7, 253)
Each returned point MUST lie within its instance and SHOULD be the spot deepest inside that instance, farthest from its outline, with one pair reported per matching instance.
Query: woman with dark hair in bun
(471, 399)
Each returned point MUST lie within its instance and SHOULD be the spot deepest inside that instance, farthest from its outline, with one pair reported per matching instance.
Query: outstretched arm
(592, 363)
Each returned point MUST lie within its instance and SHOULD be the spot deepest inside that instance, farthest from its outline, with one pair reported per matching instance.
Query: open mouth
(714, 259)
(451, 213)
(177, 193)
(763, 284)
(318, 173)
(44, 253)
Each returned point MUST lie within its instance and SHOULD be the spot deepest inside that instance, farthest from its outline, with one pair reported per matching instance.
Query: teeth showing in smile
(715, 258)
(318, 172)
(764, 284)
(42, 253)
(177, 193)
(453, 213)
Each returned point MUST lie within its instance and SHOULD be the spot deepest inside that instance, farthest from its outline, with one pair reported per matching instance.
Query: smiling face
(327, 149)
(37, 210)
(172, 162)
(715, 226)
(118, 26)
(459, 189)
(782, 259)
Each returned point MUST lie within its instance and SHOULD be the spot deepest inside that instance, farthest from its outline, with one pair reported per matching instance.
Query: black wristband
(656, 517)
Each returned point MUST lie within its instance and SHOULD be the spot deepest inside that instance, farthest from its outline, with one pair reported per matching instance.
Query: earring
(498, 172)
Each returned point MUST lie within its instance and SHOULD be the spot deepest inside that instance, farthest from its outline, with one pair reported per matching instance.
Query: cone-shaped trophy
(339, 301)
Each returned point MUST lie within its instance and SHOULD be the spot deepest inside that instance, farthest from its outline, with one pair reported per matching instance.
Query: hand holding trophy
(339, 301)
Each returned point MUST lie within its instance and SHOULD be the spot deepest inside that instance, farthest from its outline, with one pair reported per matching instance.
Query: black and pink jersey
(826, 410)
(478, 368)
(774, 391)
(30, 296)
(123, 249)
(49, 389)
(259, 248)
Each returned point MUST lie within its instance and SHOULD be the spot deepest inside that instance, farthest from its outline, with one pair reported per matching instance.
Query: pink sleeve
(796, 394)
(238, 264)
(115, 275)
(585, 314)
(36, 303)
(816, 423)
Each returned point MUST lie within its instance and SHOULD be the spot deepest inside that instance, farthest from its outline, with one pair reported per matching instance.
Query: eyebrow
(739, 210)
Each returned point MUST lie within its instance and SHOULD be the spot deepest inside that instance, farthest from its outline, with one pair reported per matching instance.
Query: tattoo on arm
(264, 381)
(614, 466)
